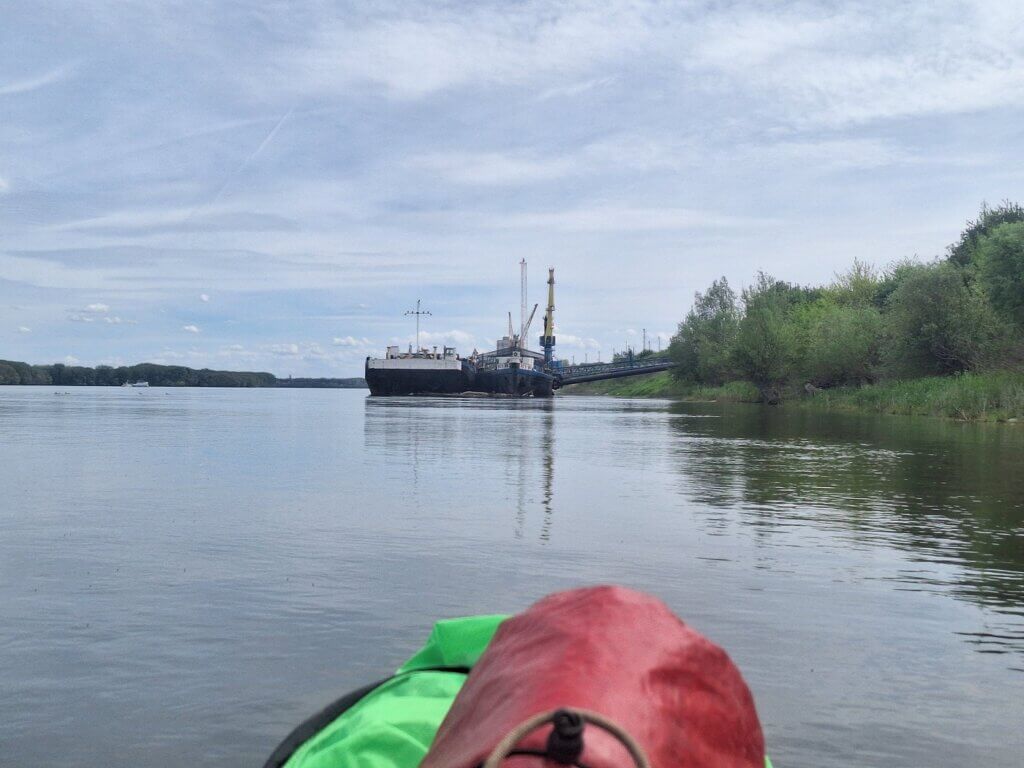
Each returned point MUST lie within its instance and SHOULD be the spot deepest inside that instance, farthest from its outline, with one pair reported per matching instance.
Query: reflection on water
(185, 574)
(950, 495)
(433, 435)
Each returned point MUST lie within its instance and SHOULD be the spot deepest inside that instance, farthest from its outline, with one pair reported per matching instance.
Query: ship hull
(508, 382)
(515, 382)
(384, 381)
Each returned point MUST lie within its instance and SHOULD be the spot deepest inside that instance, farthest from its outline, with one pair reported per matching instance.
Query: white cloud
(38, 81)
(204, 297)
(285, 350)
(24, 329)
(428, 52)
(4, 185)
(816, 65)
(575, 89)
(450, 338)
(577, 342)
(71, 360)
(169, 354)
(624, 152)
(90, 314)
(808, 63)
(619, 219)
(190, 328)
(350, 341)
(495, 168)
(829, 154)
(302, 350)
(93, 313)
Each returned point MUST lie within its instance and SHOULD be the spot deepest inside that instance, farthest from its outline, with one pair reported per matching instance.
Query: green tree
(857, 286)
(702, 347)
(766, 339)
(1000, 259)
(837, 344)
(106, 376)
(936, 323)
(963, 252)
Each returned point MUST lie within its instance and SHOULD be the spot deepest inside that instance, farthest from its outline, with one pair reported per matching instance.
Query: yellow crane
(547, 341)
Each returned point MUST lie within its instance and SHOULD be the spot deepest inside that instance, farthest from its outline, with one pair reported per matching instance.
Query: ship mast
(522, 302)
(418, 312)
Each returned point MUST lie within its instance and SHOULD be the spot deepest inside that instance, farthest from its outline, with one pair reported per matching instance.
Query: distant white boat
(136, 384)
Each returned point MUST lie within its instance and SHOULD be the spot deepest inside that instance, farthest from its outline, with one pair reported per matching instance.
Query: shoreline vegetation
(968, 397)
(13, 373)
(941, 338)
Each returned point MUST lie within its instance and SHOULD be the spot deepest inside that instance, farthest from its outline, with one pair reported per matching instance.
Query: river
(185, 574)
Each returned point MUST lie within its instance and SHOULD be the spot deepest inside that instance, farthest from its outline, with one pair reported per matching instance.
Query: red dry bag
(612, 651)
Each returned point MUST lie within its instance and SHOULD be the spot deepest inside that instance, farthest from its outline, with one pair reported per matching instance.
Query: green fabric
(455, 643)
(394, 726)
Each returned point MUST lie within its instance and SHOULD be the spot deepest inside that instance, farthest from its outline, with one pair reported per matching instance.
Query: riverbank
(15, 372)
(967, 397)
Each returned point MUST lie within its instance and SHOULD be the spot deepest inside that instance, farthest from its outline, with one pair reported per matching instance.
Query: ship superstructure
(423, 372)
(511, 369)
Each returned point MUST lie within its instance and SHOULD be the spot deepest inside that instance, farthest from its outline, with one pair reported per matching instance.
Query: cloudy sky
(271, 185)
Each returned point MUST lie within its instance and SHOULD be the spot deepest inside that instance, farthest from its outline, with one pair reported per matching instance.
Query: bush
(963, 253)
(1000, 260)
(857, 287)
(702, 347)
(936, 323)
(839, 344)
(765, 339)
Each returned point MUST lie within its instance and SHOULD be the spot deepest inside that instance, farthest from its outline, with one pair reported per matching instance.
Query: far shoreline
(13, 372)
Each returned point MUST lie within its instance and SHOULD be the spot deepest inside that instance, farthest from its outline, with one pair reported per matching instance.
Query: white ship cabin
(507, 355)
(425, 359)
(447, 353)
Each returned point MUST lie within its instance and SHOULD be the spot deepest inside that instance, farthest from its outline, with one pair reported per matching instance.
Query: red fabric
(618, 652)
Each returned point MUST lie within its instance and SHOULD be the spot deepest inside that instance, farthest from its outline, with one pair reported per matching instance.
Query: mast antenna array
(418, 312)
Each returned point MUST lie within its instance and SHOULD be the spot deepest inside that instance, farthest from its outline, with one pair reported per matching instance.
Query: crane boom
(547, 341)
(529, 322)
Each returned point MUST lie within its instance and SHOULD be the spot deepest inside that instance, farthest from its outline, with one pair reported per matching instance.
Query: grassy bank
(663, 385)
(969, 396)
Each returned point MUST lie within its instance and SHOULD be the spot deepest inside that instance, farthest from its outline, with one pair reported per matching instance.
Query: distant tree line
(12, 372)
(631, 355)
(961, 312)
(354, 383)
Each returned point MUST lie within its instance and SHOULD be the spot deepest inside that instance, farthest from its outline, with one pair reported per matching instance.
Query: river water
(186, 574)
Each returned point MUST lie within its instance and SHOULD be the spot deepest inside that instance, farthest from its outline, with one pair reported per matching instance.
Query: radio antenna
(418, 312)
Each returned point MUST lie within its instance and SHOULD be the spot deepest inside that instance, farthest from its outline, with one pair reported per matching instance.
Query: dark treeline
(12, 372)
(356, 383)
(961, 312)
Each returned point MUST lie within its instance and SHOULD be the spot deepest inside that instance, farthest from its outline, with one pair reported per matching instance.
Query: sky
(270, 186)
